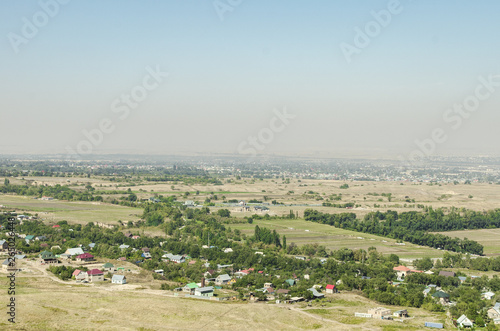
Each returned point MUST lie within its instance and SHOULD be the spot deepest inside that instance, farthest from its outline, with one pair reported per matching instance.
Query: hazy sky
(358, 77)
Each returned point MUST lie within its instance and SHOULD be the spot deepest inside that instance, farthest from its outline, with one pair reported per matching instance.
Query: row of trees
(393, 229)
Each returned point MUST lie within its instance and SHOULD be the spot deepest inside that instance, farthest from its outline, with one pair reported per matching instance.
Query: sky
(329, 78)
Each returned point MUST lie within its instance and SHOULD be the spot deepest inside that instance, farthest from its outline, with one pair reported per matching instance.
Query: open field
(302, 232)
(489, 238)
(44, 303)
(78, 212)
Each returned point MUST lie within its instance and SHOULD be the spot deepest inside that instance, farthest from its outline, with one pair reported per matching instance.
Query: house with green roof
(48, 257)
(108, 266)
(190, 288)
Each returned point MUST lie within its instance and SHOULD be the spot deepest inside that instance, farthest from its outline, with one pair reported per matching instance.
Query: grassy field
(489, 238)
(302, 232)
(73, 212)
(44, 304)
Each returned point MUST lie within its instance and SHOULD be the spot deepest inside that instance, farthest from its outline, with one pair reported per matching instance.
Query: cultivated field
(302, 232)
(489, 238)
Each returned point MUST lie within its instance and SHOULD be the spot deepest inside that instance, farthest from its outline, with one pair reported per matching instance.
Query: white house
(488, 295)
(464, 322)
(207, 291)
(119, 279)
(74, 251)
(222, 279)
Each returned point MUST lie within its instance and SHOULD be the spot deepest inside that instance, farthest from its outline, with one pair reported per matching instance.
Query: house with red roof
(85, 257)
(95, 275)
(402, 271)
(331, 288)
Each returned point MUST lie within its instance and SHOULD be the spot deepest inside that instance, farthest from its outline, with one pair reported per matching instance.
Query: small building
(222, 279)
(402, 271)
(119, 279)
(108, 266)
(159, 271)
(207, 291)
(494, 313)
(85, 257)
(488, 295)
(123, 246)
(174, 258)
(316, 294)
(330, 288)
(380, 312)
(4, 245)
(95, 275)
(80, 275)
(7, 265)
(462, 279)
(400, 313)
(74, 251)
(443, 297)
(464, 322)
(290, 282)
(434, 325)
(190, 288)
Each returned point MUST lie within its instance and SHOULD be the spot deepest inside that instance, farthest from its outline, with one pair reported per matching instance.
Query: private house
(48, 257)
(128, 235)
(446, 273)
(74, 251)
(4, 245)
(123, 246)
(29, 238)
(209, 273)
(401, 271)
(269, 290)
(189, 203)
(207, 291)
(190, 288)
(464, 322)
(426, 291)
(222, 279)
(290, 282)
(315, 293)
(488, 295)
(6, 265)
(108, 267)
(146, 255)
(494, 313)
(95, 275)
(159, 271)
(80, 275)
(174, 258)
(400, 313)
(136, 237)
(331, 289)
(86, 257)
(379, 312)
(228, 250)
(443, 297)
(119, 279)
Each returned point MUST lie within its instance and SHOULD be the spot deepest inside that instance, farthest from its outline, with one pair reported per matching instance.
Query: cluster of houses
(97, 275)
(444, 298)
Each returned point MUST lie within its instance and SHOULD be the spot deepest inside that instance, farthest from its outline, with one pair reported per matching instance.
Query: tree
(224, 213)
(284, 241)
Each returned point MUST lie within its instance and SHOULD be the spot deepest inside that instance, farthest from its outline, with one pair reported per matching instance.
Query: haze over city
(357, 78)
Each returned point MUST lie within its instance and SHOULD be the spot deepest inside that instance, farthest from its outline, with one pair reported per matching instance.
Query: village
(217, 282)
